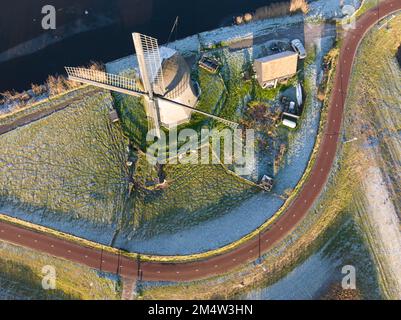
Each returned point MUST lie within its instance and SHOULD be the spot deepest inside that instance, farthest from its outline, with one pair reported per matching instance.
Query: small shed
(276, 68)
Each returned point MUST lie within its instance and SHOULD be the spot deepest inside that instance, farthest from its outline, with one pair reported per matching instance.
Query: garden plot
(254, 107)
(70, 165)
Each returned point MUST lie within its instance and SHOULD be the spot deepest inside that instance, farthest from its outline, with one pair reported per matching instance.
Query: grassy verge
(373, 117)
(21, 277)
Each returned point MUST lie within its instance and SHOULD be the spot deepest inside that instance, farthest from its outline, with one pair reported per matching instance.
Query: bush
(16, 98)
(56, 85)
(299, 5)
(94, 65)
(38, 89)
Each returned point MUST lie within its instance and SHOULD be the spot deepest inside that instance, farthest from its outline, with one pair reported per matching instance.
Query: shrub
(94, 65)
(56, 85)
(17, 99)
(38, 89)
(299, 5)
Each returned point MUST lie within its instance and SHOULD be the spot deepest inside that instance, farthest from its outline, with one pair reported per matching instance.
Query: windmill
(167, 102)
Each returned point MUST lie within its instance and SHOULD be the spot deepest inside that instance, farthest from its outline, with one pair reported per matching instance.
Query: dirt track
(249, 251)
(40, 114)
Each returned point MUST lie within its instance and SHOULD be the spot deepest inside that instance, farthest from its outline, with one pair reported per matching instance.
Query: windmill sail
(150, 66)
(128, 86)
(150, 63)
(104, 80)
(161, 103)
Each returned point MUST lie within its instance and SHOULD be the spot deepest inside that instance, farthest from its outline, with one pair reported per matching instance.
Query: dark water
(20, 21)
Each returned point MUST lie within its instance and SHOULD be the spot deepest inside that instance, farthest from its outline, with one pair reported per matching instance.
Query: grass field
(374, 118)
(72, 163)
(376, 100)
(195, 193)
(21, 277)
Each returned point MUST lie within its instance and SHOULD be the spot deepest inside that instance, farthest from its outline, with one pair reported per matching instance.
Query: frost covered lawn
(374, 106)
(195, 193)
(21, 277)
(71, 163)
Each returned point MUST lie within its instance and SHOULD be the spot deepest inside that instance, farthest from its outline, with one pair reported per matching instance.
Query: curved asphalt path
(249, 251)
